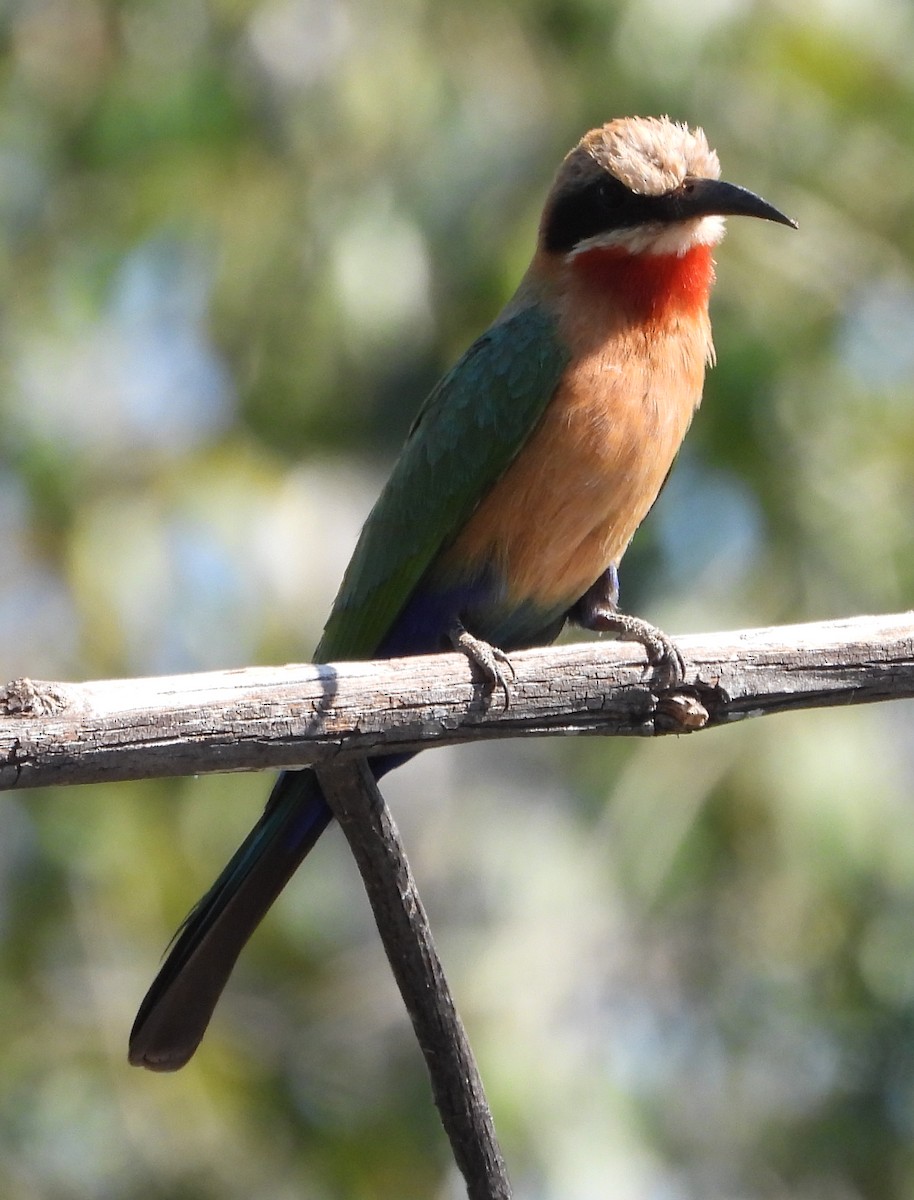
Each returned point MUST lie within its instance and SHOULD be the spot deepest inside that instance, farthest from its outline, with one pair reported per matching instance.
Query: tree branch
(288, 716)
(403, 925)
(253, 718)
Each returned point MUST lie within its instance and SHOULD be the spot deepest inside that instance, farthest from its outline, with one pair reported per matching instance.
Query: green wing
(467, 432)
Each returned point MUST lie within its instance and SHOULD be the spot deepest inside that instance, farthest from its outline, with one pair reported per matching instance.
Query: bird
(521, 482)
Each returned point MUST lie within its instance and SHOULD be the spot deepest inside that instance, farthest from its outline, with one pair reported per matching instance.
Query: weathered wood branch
(253, 718)
(271, 717)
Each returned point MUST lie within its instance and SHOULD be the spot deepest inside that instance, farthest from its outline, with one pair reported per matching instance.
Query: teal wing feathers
(470, 428)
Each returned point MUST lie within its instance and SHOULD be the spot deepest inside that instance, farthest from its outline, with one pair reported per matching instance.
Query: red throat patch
(650, 285)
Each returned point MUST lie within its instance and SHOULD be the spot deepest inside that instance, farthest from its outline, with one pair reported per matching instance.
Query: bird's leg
(597, 610)
(600, 598)
(488, 659)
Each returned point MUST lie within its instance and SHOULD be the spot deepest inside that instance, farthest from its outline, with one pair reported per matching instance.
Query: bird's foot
(662, 652)
(488, 660)
(596, 610)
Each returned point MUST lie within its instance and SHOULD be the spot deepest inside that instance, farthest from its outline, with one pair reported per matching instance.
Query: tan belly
(568, 505)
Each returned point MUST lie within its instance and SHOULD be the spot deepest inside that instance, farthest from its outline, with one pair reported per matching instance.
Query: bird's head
(643, 185)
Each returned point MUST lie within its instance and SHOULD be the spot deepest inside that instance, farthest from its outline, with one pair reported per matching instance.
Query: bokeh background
(238, 242)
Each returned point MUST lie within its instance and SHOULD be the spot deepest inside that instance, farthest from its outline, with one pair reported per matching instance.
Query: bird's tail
(176, 1010)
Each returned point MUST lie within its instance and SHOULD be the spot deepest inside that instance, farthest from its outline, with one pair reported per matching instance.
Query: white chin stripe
(677, 238)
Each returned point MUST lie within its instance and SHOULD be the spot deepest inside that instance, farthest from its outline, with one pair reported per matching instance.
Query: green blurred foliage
(238, 242)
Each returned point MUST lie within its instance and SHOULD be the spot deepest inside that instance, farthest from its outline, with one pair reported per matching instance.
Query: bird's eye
(688, 185)
(609, 195)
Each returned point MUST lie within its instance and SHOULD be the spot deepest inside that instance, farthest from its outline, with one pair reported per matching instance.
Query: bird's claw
(489, 660)
(663, 654)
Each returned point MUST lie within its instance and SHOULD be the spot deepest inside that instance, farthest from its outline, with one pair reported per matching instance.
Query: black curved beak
(713, 197)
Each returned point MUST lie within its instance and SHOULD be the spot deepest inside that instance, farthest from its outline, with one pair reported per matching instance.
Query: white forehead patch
(652, 155)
